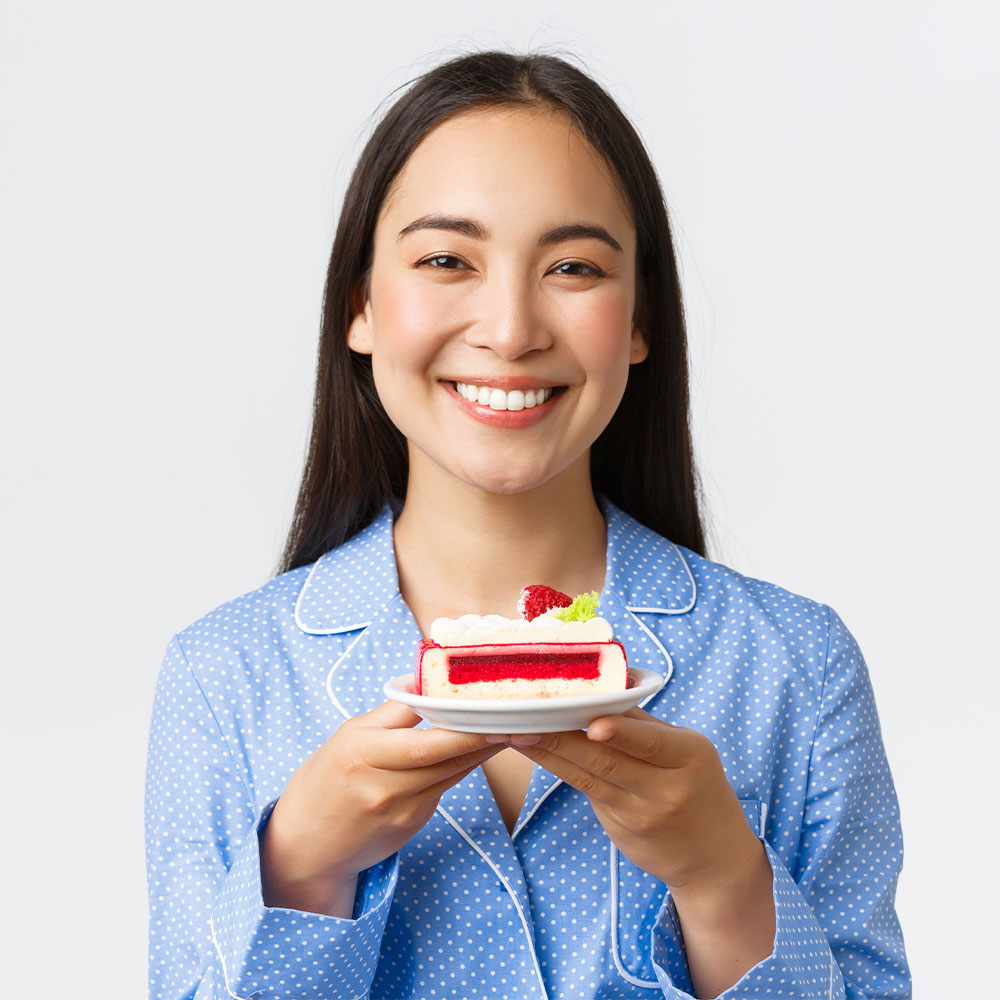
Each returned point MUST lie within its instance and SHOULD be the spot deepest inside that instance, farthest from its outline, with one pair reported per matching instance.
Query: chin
(504, 471)
(507, 480)
(507, 486)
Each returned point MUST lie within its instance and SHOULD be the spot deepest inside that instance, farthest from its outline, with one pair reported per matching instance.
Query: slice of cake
(558, 648)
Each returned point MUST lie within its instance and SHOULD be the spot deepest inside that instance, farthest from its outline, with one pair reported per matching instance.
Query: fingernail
(497, 738)
(525, 741)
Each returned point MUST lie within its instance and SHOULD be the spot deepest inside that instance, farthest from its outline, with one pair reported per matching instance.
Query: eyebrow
(471, 228)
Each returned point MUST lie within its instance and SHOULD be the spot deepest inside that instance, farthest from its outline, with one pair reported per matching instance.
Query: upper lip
(506, 382)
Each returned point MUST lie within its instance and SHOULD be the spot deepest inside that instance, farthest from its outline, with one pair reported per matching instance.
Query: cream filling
(497, 399)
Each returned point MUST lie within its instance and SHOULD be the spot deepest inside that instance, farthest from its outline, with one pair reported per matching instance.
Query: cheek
(410, 325)
(604, 349)
(401, 326)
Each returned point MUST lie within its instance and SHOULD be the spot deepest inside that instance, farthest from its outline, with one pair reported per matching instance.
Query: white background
(171, 177)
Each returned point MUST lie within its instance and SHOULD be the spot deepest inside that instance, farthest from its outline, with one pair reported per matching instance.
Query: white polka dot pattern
(465, 910)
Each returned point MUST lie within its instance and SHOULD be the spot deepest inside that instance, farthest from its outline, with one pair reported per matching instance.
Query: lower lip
(504, 418)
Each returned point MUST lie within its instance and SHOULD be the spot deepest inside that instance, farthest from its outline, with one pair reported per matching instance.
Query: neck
(460, 549)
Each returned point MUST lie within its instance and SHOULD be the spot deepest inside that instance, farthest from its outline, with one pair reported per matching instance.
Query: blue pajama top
(466, 910)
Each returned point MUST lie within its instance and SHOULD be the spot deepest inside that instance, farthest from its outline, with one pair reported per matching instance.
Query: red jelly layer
(522, 666)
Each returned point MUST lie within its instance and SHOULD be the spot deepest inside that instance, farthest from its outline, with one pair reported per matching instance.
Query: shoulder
(332, 595)
(255, 668)
(653, 573)
(267, 609)
(787, 633)
(300, 618)
(247, 674)
(711, 609)
(722, 589)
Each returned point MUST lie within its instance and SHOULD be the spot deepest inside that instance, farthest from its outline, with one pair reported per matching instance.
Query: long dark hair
(357, 459)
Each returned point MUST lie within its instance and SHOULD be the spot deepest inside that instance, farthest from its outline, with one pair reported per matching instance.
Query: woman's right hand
(362, 795)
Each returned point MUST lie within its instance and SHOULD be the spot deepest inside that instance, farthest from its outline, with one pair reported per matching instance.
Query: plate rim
(502, 705)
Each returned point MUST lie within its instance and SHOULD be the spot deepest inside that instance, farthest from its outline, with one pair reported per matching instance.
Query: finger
(417, 781)
(645, 738)
(608, 763)
(638, 713)
(428, 761)
(391, 715)
(593, 786)
(390, 741)
(438, 788)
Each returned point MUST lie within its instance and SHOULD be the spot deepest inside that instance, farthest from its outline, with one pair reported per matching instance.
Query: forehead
(509, 165)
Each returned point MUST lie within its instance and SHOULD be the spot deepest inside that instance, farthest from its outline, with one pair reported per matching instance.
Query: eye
(577, 267)
(442, 262)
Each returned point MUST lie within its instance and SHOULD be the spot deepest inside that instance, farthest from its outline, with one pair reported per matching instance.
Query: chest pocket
(636, 901)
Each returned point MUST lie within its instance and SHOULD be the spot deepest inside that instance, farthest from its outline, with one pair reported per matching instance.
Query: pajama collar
(355, 588)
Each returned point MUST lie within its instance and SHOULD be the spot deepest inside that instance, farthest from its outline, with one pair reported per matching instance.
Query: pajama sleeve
(210, 934)
(837, 936)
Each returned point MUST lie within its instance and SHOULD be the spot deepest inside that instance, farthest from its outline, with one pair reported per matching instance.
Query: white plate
(524, 715)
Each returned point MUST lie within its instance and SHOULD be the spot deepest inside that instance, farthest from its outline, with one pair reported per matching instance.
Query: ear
(639, 349)
(359, 333)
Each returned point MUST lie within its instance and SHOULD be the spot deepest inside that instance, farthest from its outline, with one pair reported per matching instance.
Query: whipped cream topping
(498, 399)
(475, 630)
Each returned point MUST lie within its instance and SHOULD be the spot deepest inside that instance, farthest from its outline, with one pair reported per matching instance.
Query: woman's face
(500, 313)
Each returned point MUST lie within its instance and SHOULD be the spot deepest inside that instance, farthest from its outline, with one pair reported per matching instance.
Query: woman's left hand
(661, 794)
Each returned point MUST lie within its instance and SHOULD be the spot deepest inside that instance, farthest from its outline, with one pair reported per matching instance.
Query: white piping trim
(225, 975)
(763, 818)
(329, 676)
(517, 904)
(659, 645)
(298, 600)
(334, 630)
(548, 791)
(222, 962)
(615, 953)
(694, 591)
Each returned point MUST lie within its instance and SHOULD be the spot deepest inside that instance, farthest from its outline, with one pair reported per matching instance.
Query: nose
(510, 321)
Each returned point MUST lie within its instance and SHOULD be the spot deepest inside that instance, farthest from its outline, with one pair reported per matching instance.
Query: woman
(502, 400)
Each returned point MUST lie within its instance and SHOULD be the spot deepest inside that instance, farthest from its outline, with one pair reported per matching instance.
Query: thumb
(392, 715)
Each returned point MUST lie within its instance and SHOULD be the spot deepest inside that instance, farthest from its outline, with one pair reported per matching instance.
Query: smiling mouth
(490, 397)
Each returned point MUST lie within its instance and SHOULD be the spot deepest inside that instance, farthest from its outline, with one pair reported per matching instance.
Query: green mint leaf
(583, 608)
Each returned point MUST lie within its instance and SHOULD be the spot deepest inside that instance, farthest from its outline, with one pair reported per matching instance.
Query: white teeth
(497, 399)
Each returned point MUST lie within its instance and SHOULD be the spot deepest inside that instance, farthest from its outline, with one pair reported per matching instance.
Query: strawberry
(537, 599)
